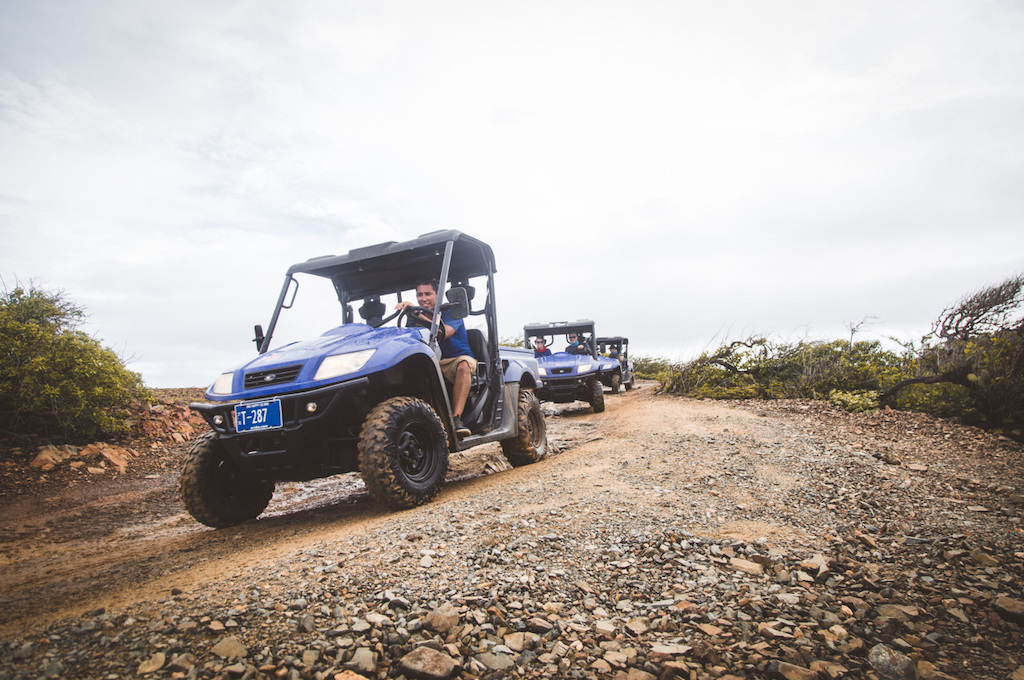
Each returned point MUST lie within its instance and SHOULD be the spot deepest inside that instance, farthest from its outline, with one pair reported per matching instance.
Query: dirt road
(785, 477)
(114, 541)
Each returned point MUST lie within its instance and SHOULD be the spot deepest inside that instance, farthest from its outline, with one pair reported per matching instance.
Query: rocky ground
(662, 538)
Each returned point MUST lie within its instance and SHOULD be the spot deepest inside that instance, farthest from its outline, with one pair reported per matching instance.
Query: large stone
(893, 611)
(443, 619)
(1010, 609)
(928, 671)
(983, 559)
(746, 566)
(228, 647)
(152, 664)
(118, 457)
(617, 659)
(519, 642)
(637, 627)
(818, 564)
(788, 671)
(182, 663)
(379, 620)
(425, 663)
(364, 661)
(539, 626)
(662, 651)
(48, 457)
(828, 669)
(305, 622)
(495, 662)
(890, 664)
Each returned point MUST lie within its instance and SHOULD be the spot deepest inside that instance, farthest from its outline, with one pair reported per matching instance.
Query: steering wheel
(411, 319)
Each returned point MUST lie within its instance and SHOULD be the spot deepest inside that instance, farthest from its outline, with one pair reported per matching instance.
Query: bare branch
(986, 311)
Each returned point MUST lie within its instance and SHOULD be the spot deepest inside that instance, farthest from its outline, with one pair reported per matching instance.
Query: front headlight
(222, 385)
(340, 364)
(542, 371)
(584, 368)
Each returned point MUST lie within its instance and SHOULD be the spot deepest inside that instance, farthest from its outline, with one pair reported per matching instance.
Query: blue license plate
(258, 415)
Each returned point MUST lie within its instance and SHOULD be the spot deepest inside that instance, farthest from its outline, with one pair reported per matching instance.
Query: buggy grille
(560, 371)
(274, 376)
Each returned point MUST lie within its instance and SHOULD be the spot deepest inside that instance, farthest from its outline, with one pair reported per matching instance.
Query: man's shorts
(450, 365)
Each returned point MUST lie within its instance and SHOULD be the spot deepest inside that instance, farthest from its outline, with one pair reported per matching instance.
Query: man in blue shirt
(457, 361)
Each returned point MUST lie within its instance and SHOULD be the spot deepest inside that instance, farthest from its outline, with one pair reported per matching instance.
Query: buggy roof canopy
(559, 328)
(613, 340)
(394, 266)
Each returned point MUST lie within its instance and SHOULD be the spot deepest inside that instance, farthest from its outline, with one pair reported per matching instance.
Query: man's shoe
(460, 429)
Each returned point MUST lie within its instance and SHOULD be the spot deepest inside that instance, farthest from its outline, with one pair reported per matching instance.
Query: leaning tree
(977, 344)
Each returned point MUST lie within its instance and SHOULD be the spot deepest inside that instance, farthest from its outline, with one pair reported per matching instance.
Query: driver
(457, 361)
(577, 344)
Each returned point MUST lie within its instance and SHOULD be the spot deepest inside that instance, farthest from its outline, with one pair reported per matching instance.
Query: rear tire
(215, 490)
(629, 384)
(597, 395)
(616, 381)
(531, 441)
(403, 452)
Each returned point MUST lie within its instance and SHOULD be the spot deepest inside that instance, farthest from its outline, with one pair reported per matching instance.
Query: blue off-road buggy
(576, 374)
(617, 347)
(367, 395)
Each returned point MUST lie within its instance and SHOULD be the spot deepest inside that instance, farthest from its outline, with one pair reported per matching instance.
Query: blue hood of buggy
(292, 367)
(563, 364)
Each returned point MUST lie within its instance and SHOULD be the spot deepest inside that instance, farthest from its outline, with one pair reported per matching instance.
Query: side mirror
(259, 337)
(458, 302)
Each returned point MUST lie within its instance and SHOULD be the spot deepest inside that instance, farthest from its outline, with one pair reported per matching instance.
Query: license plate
(258, 415)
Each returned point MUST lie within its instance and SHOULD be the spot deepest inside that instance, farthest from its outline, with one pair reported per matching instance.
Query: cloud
(674, 171)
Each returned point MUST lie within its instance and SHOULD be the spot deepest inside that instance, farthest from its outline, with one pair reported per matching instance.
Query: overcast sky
(680, 172)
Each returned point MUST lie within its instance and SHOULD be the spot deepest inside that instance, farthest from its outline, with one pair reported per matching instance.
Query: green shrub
(55, 380)
(763, 369)
(650, 368)
(970, 367)
(855, 402)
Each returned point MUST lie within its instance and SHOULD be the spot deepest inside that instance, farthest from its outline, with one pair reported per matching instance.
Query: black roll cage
(392, 267)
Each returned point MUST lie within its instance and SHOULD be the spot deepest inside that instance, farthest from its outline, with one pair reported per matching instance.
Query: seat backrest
(372, 311)
(478, 343)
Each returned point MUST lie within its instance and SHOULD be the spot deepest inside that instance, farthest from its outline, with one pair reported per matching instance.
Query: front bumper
(311, 442)
(565, 390)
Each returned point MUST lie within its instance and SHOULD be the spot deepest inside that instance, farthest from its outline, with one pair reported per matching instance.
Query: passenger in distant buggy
(540, 348)
(457, 361)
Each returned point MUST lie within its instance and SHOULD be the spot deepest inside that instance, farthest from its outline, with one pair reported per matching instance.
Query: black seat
(478, 343)
(372, 311)
(479, 407)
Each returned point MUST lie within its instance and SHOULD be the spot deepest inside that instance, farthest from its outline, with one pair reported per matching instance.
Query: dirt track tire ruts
(215, 491)
(531, 442)
(403, 452)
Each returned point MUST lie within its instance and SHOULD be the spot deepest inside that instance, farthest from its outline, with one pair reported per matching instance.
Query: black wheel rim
(417, 451)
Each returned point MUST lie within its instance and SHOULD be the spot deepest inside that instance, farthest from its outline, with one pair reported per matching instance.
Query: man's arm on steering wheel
(425, 316)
